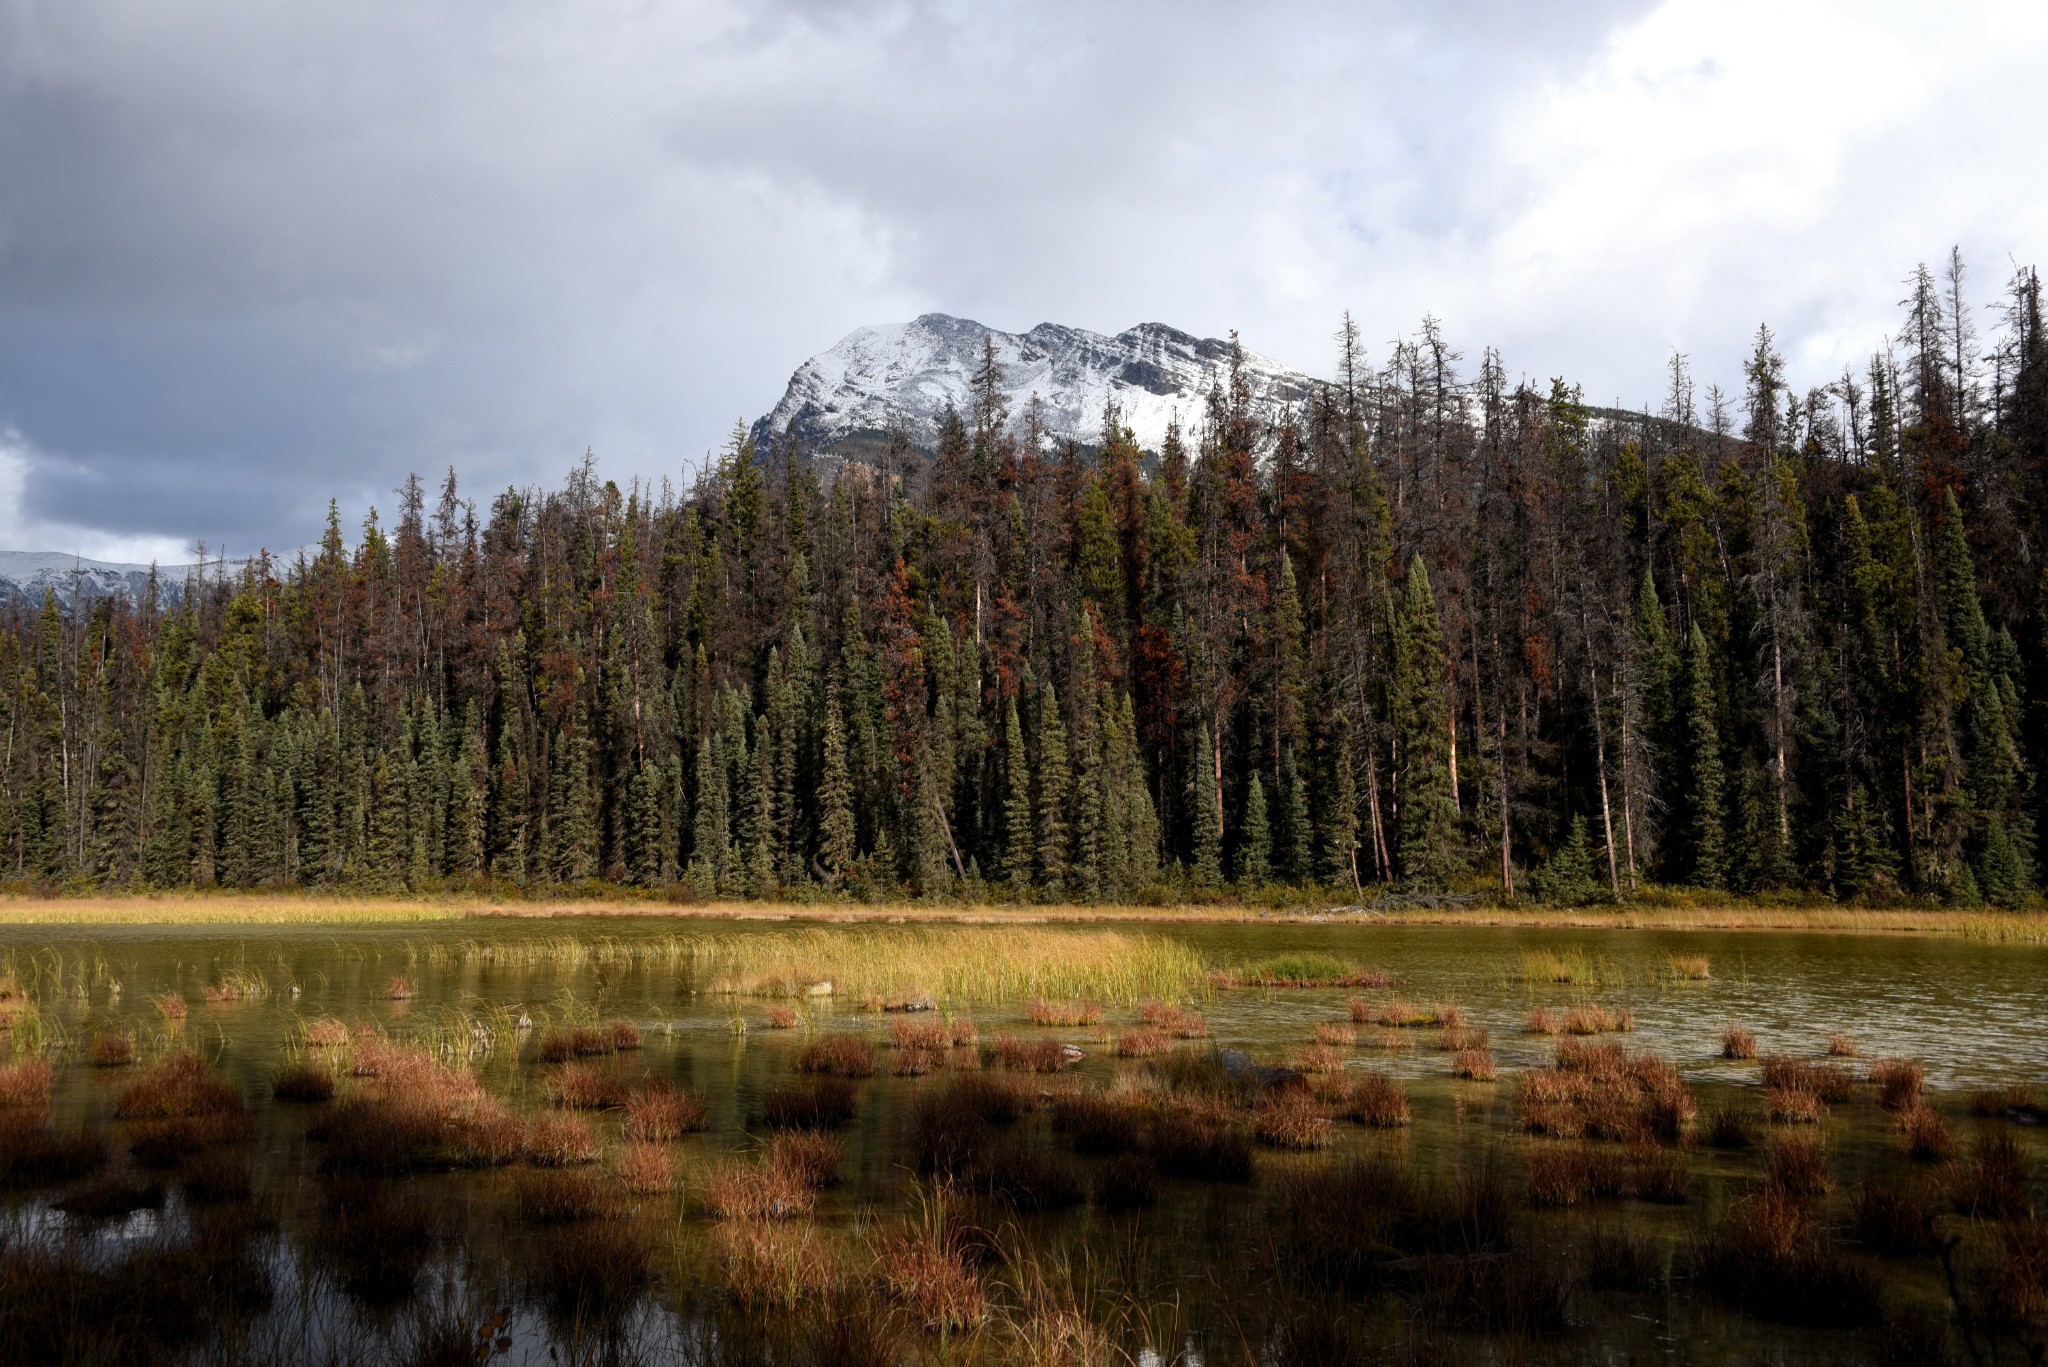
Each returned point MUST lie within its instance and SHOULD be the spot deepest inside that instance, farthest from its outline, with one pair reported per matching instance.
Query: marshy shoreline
(288, 908)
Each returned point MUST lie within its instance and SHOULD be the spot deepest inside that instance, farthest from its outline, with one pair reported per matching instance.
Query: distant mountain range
(846, 399)
(29, 574)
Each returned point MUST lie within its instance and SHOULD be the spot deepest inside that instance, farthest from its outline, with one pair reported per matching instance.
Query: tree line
(1432, 631)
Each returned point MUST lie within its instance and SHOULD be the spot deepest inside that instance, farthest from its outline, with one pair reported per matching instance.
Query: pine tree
(1339, 783)
(1295, 842)
(1428, 851)
(1207, 871)
(1017, 842)
(1053, 795)
(710, 856)
(1255, 845)
(1705, 823)
(1567, 878)
(835, 795)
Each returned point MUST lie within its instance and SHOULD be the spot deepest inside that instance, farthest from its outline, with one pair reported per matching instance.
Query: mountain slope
(910, 372)
(27, 574)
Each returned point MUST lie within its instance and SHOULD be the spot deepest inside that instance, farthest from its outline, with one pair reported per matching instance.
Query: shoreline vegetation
(292, 908)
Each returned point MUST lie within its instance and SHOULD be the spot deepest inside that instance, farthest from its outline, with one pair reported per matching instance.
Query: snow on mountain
(910, 372)
(27, 574)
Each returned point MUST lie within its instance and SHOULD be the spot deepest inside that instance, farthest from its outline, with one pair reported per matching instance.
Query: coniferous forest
(1435, 632)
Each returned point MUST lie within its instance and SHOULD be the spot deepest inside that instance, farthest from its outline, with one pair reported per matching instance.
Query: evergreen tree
(1706, 864)
(835, 796)
(1207, 871)
(1052, 795)
(1017, 843)
(1428, 852)
(1255, 845)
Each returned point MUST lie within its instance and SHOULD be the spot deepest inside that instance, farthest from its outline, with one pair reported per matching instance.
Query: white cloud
(23, 533)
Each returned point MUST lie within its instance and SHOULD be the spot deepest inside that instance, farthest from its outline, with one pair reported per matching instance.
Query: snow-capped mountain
(27, 574)
(851, 395)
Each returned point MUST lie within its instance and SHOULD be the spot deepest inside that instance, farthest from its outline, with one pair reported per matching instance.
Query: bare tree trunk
(1600, 758)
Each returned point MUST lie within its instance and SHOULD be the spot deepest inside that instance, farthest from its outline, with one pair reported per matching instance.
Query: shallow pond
(482, 994)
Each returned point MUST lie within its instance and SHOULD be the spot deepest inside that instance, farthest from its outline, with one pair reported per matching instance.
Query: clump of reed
(33, 1153)
(1601, 1091)
(1401, 1015)
(1829, 1082)
(1737, 1043)
(924, 1274)
(954, 963)
(1894, 1218)
(2014, 1099)
(408, 1111)
(26, 1084)
(950, 1125)
(838, 1055)
(1177, 1021)
(113, 1051)
(1317, 1059)
(1548, 966)
(559, 1141)
(591, 1270)
(1841, 1046)
(179, 1086)
(1383, 1038)
(1141, 1041)
(810, 1156)
(814, 1103)
(303, 1080)
(1203, 1146)
(1580, 1020)
(1926, 1136)
(399, 989)
(1901, 1082)
(758, 1191)
(1301, 970)
(1340, 1034)
(1289, 1118)
(558, 1196)
(1797, 1164)
(326, 1033)
(1378, 1101)
(170, 1006)
(2019, 1282)
(1474, 1065)
(778, 1016)
(1770, 1256)
(1064, 1015)
(768, 1265)
(1571, 1174)
(928, 1036)
(582, 1087)
(1695, 968)
(1791, 1106)
(1030, 1056)
(1993, 1182)
(1100, 1123)
(644, 1169)
(1732, 1127)
(659, 1110)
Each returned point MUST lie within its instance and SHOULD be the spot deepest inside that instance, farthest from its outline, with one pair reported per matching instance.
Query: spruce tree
(835, 795)
(1428, 849)
(1207, 870)
(1255, 845)
(1294, 843)
(1339, 783)
(1017, 851)
(1053, 795)
(1705, 820)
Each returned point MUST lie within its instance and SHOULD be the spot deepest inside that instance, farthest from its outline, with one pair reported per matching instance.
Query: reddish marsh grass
(1210, 1150)
(1829, 1082)
(1900, 1082)
(925, 1035)
(1100, 1123)
(1141, 1041)
(1732, 1127)
(838, 1056)
(1601, 1091)
(591, 1270)
(1336, 1033)
(559, 1141)
(779, 1017)
(1792, 1106)
(558, 1197)
(2019, 1288)
(326, 1033)
(915, 1062)
(761, 1191)
(1474, 1065)
(1401, 1015)
(1927, 1136)
(409, 1111)
(1598, 1020)
(1544, 1021)
(809, 1156)
(592, 1041)
(950, 1127)
(113, 1051)
(1992, 1182)
(555, 1046)
(584, 1088)
(1177, 1021)
(303, 1081)
(1766, 1256)
(220, 994)
(660, 1110)
(1291, 1119)
(776, 1265)
(643, 1169)
(1737, 1043)
(929, 1279)
(625, 1036)
(2015, 1099)
(1318, 1058)
(1894, 1218)
(181, 1085)
(1797, 1164)
(400, 989)
(170, 1006)
(25, 1084)
(1841, 1046)
(1065, 1015)
(819, 1103)
(1030, 1056)
(1377, 1100)
(32, 1154)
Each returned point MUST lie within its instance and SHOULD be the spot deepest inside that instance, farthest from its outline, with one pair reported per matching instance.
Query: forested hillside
(1438, 630)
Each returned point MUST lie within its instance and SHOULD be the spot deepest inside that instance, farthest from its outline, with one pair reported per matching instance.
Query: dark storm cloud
(254, 255)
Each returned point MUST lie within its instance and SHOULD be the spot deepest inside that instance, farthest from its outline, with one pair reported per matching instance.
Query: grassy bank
(259, 909)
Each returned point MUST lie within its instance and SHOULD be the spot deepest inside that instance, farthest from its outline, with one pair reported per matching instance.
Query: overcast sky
(254, 255)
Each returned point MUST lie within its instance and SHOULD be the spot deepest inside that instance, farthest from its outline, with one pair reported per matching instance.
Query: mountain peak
(910, 373)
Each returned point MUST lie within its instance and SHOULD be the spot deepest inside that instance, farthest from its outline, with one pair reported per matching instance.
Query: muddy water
(1972, 1013)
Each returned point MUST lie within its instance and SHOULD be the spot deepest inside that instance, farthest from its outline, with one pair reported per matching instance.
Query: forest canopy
(1432, 632)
